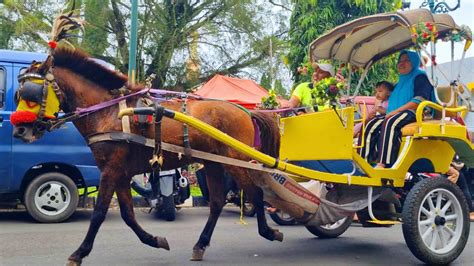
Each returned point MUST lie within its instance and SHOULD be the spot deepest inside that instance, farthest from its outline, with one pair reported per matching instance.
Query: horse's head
(37, 102)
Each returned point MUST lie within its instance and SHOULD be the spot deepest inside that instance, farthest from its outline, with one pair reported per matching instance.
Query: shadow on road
(22, 216)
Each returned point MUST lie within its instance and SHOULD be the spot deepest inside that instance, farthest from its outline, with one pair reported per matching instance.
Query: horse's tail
(269, 133)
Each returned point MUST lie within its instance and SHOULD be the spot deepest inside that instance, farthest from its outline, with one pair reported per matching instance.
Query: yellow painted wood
(438, 151)
(317, 136)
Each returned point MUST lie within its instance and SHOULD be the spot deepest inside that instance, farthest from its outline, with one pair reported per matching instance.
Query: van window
(3, 87)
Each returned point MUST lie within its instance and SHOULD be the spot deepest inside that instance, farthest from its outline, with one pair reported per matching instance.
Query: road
(23, 242)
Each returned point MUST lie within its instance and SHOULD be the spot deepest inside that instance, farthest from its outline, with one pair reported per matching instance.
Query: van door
(6, 105)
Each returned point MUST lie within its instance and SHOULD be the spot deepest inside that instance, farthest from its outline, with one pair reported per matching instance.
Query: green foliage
(279, 89)
(270, 102)
(312, 18)
(232, 36)
(265, 81)
(95, 37)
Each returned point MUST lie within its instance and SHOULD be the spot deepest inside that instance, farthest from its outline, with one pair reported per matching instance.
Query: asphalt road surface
(24, 242)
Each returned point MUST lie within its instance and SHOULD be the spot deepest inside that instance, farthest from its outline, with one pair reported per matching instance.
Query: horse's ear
(43, 68)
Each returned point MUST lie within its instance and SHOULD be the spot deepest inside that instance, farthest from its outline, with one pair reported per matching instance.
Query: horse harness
(37, 93)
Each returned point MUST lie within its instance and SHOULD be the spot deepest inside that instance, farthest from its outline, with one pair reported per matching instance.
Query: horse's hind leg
(263, 228)
(215, 183)
(246, 179)
(126, 210)
(106, 190)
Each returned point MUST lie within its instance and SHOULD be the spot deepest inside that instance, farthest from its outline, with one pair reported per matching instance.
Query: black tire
(330, 230)
(51, 198)
(282, 218)
(167, 210)
(442, 224)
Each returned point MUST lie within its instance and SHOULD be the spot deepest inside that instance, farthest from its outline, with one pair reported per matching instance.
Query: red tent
(244, 92)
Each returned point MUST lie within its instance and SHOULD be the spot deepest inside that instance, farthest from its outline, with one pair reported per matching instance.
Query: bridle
(36, 88)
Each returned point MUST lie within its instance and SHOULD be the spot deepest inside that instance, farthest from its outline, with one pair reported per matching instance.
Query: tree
(311, 18)
(230, 34)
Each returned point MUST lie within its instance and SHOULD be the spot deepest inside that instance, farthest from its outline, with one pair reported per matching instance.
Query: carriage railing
(443, 109)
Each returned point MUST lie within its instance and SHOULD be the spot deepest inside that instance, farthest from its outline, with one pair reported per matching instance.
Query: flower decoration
(458, 36)
(327, 91)
(52, 44)
(304, 69)
(424, 33)
(270, 102)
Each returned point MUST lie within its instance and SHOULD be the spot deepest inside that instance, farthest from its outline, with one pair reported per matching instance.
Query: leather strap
(140, 140)
(125, 118)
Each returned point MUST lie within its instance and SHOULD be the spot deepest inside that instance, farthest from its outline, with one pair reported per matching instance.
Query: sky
(463, 15)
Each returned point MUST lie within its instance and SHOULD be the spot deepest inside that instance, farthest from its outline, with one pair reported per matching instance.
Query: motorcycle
(163, 192)
(232, 192)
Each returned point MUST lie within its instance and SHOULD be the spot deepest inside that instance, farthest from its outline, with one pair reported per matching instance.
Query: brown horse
(81, 82)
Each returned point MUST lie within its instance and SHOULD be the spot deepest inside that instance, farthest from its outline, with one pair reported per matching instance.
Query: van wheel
(51, 198)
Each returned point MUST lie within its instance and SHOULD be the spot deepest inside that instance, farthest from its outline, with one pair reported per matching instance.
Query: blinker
(31, 92)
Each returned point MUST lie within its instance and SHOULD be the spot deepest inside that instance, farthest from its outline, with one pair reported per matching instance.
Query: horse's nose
(19, 132)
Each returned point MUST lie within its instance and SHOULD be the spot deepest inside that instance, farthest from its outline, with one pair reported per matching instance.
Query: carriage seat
(444, 94)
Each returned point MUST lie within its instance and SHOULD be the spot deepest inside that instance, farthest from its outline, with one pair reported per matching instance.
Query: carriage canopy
(373, 37)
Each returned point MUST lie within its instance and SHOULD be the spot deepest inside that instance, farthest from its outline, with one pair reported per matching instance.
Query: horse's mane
(82, 64)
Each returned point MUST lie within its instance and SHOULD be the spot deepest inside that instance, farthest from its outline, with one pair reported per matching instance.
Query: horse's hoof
(162, 242)
(278, 236)
(73, 263)
(198, 254)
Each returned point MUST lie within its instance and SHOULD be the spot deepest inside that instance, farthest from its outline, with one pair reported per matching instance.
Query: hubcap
(52, 198)
(440, 221)
(334, 225)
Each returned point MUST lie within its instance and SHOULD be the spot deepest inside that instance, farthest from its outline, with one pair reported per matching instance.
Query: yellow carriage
(435, 215)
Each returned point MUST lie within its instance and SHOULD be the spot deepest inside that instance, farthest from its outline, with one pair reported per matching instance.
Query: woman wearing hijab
(383, 133)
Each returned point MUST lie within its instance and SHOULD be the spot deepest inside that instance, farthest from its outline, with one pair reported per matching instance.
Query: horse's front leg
(126, 210)
(215, 183)
(106, 190)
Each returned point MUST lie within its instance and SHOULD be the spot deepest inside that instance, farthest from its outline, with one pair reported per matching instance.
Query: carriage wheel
(282, 218)
(435, 221)
(330, 230)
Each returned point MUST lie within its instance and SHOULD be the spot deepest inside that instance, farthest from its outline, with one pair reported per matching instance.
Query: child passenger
(383, 89)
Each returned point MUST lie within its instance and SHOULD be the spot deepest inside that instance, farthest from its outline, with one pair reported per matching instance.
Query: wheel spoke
(425, 211)
(448, 230)
(426, 222)
(446, 206)
(451, 217)
(434, 240)
(55, 190)
(427, 233)
(42, 200)
(441, 237)
(438, 200)
(430, 203)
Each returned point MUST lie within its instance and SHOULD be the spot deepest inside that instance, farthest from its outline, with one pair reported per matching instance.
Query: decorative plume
(63, 25)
